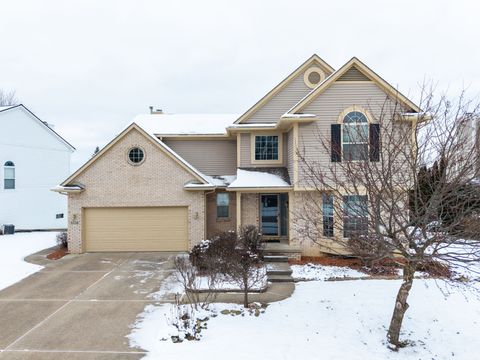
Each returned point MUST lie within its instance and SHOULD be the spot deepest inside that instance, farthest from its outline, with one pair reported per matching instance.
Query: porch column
(239, 210)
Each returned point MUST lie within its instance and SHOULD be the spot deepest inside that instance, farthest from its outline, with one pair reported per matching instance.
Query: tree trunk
(245, 291)
(401, 305)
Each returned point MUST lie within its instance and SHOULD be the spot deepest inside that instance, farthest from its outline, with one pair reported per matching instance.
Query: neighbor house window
(355, 136)
(327, 210)
(9, 175)
(355, 209)
(223, 203)
(266, 147)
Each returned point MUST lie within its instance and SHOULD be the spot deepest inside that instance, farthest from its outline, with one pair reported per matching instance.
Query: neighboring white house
(33, 159)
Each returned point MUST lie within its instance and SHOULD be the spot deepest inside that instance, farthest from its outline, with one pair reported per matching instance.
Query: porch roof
(261, 178)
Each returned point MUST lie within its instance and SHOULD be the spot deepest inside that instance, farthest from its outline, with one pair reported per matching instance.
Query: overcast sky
(90, 66)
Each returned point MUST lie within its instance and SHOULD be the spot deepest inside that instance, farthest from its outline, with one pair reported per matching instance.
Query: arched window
(9, 175)
(355, 136)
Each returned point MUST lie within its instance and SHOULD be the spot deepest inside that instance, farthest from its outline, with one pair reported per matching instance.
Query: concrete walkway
(82, 306)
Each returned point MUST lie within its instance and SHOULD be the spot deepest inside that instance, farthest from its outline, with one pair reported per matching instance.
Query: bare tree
(8, 98)
(373, 201)
(194, 290)
(245, 266)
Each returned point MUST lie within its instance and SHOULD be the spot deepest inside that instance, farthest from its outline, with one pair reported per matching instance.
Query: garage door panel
(136, 229)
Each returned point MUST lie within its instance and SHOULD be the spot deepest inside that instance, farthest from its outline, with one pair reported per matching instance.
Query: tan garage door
(136, 229)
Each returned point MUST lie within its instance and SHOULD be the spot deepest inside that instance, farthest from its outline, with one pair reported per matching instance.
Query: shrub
(251, 239)
(212, 253)
(62, 240)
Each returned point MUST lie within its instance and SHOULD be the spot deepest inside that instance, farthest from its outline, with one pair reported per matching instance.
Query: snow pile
(344, 319)
(185, 124)
(319, 272)
(255, 179)
(14, 248)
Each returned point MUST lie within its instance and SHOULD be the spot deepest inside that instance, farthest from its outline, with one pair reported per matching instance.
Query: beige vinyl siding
(211, 157)
(353, 74)
(245, 152)
(136, 229)
(328, 106)
(290, 151)
(281, 102)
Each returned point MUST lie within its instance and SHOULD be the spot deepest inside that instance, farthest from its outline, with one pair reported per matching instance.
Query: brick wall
(111, 181)
(214, 225)
(250, 209)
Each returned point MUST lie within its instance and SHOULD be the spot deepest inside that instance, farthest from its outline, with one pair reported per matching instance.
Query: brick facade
(111, 181)
(214, 225)
(250, 209)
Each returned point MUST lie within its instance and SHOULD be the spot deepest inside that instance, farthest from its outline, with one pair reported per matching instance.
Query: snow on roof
(6, 107)
(299, 116)
(185, 124)
(221, 180)
(257, 179)
(68, 188)
(253, 125)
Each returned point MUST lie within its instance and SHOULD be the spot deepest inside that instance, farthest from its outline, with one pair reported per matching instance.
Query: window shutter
(336, 143)
(374, 142)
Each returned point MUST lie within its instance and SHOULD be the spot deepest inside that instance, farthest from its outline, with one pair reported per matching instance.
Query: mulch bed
(58, 253)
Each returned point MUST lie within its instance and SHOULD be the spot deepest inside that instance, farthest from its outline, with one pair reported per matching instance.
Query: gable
(20, 127)
(112, 179)
(355, 69)
(131, 137)
(353, 74)
(288, 92)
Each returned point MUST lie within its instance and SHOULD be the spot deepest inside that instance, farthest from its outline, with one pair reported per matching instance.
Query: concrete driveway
(81, 306)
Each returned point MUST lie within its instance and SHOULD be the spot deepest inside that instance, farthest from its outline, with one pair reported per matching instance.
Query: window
(9, 175)
(59, 216)
(327, 210)
(355, 136)
(266, 147)
(355, 212)
(136, 155)
(223, 202)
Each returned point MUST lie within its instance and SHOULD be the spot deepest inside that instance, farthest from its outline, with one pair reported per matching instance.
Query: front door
(269, 213)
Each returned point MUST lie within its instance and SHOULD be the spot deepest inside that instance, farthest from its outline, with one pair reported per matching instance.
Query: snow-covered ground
(319, 272)
(14, 248)
(327, 319)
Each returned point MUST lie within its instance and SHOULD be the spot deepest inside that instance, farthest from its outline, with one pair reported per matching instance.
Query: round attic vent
(313, 76)
(136, 156)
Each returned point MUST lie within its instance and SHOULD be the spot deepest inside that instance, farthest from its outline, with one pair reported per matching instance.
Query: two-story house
(33, 159)
(168, 181)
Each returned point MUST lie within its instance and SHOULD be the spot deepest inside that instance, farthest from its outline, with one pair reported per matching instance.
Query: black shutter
(336, 151)
(374, 142)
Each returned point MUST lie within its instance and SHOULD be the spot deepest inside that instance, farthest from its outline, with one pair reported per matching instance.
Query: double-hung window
(267, 147)
(223, 204)
(327, 210)
(355, 136)
(355, 215)
(9, 175)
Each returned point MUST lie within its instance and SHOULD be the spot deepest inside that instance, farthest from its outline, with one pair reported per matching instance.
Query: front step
(279, 272)
(275, 258)
(279, 268)
(280, 278)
